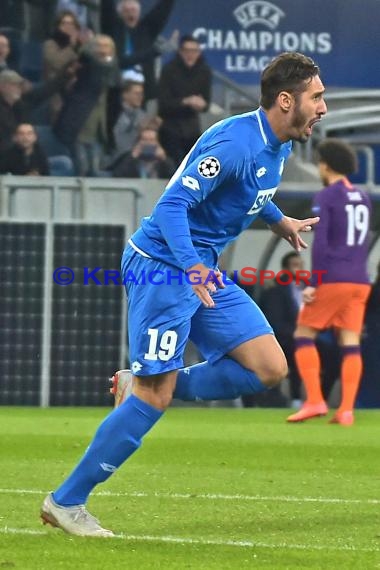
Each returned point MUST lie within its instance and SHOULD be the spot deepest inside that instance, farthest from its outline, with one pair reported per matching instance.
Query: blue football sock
(116, 439)
(225, 380)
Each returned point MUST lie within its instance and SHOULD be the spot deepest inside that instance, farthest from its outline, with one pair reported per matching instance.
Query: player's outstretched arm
(289, 228)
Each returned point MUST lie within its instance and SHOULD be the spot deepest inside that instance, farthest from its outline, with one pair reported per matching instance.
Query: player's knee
(160, 399)
(156, 390)
(274, 373)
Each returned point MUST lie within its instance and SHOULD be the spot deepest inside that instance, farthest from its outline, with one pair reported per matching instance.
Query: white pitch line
(210, 497)
(206, 542)
(29, 531)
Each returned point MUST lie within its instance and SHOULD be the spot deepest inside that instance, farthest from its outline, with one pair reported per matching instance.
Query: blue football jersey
(227, 179)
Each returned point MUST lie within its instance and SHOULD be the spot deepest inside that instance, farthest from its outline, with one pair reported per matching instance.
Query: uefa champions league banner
(239, 38)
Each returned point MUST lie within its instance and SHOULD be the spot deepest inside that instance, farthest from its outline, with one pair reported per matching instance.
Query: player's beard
(299, 123)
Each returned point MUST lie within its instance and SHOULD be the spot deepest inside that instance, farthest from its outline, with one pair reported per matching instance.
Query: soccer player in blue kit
(227, 180)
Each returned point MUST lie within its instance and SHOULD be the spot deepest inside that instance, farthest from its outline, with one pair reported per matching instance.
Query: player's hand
(308, 295)
(289, 228)
(205, 281)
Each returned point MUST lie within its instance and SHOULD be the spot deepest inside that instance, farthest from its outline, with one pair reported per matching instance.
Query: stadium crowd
(86, 79)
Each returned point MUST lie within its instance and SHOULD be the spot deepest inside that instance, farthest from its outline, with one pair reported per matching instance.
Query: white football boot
(122, 385)
(73, 520)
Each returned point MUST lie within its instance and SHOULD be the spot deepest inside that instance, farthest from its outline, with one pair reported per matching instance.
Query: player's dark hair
(338, 155)
(289, 71)
(287, 257)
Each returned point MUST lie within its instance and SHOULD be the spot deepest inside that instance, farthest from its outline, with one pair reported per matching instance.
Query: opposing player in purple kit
(227, 180)
(340, 248)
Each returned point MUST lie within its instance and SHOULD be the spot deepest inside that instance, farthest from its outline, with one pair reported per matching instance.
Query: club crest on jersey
(209, 167)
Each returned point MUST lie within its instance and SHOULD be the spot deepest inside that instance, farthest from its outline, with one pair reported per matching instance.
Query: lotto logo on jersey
(209, 167)
(263, 196)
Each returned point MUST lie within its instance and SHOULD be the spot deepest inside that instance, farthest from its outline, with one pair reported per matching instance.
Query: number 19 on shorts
(161, 348)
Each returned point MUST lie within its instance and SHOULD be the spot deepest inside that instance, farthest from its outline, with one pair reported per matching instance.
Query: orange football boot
(343, 418)
(309, 411)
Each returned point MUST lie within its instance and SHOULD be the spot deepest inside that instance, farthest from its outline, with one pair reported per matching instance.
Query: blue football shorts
(164, 312)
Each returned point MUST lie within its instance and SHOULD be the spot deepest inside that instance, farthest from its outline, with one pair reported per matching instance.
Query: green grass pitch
(210, 489)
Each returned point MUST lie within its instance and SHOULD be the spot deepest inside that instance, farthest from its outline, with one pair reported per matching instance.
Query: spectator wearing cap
(184, 93)
(16, 103)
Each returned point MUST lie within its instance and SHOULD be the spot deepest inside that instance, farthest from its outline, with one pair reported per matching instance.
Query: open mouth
(311, 124)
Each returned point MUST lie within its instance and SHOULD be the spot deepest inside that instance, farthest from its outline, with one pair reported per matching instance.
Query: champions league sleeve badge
(209, 167)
